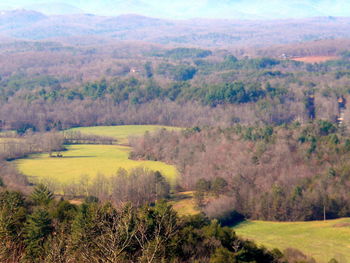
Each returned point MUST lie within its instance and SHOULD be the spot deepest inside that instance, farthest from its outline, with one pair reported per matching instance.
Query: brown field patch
(315, 59)
(342, 225)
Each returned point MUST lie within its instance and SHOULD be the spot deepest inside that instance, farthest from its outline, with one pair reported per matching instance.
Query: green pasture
(88, 160)
(121, 133)
(322, 240)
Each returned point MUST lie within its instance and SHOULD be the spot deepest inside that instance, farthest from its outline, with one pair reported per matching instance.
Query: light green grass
(121, 133)
(319, 239)
(94, 159)
(87, 160)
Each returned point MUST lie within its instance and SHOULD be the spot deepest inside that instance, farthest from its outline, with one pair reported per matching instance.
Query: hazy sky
(191, 8)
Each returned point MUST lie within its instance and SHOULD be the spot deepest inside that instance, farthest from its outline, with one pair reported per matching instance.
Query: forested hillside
(288, 173)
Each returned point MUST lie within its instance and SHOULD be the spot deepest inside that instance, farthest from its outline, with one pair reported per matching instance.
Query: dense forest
(181, 86)
(286, 173)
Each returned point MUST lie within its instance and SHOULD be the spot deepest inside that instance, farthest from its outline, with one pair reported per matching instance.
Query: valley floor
(81, 163)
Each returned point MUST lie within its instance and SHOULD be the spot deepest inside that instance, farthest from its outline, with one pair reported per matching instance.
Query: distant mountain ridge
(33, 25)
(19, 18)
(184, 9)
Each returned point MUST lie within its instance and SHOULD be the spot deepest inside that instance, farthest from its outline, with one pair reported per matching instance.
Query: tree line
(137, 186)
(76, 137)
(17, 146)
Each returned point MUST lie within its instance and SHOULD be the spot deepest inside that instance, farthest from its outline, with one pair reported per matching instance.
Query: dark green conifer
(41, 195)
(37, 230)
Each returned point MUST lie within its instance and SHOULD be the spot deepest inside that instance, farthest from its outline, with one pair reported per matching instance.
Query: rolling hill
(19, 18)
(32, 25)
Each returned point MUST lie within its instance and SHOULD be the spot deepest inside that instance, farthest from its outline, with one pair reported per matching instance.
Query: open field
(91, 160)
(319, 239)
(87, 160)
(121, 133)
(315, 59)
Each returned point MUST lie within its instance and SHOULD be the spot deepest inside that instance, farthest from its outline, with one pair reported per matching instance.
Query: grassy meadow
(90, 160)
(87, 160)
(121, 133)
(319, 239)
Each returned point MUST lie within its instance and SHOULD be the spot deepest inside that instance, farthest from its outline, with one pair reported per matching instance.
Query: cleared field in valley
(315, 59)
(87, 160)
(91, 160)
(319, 239)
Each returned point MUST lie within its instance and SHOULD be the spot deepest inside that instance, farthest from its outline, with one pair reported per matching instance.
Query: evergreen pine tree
(41, 195)
(12, 219)
(37, 230)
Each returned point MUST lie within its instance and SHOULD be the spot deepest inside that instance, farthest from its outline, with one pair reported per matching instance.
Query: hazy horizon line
(183, 9)
(178, 18)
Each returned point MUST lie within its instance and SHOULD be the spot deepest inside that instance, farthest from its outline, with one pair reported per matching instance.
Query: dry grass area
(315, 59)
(183, 203)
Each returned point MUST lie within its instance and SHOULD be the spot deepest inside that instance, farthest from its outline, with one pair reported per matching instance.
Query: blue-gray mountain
(230, 9)
(32, 25)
